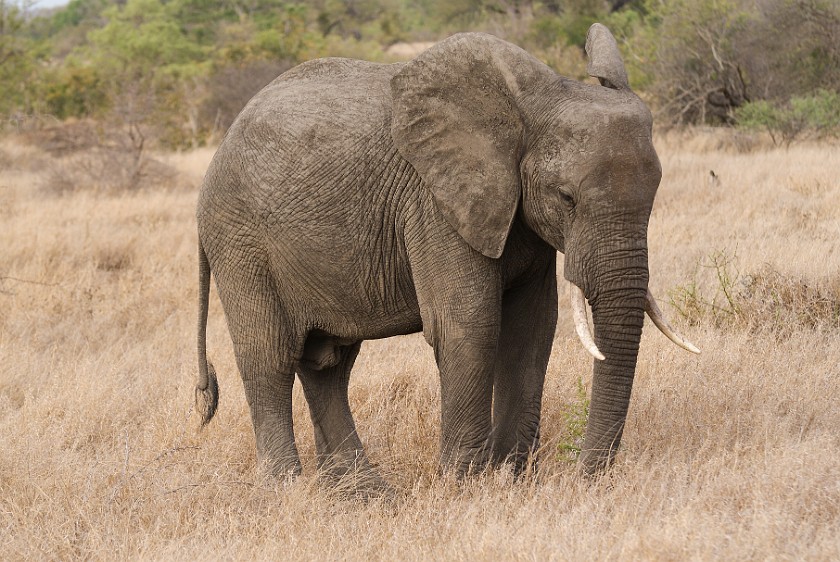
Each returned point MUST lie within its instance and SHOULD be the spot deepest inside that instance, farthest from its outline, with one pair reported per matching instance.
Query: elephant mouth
(579, 306)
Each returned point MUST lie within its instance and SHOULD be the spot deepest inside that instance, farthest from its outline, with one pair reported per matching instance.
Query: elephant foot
(593, 463)
(522, 466)
(465, 462)
(365, 486)
(356, 479)
(282, 467)
(521, 459)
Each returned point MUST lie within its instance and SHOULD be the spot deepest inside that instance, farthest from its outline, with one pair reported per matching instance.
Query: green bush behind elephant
(352, 200)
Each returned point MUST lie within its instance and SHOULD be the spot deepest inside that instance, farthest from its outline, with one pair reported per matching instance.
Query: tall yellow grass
(734, 454)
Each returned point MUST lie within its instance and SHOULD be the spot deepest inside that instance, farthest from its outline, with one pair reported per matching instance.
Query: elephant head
(497, 136)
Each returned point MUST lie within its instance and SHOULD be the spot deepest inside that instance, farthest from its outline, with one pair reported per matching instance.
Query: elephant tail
(207, 389)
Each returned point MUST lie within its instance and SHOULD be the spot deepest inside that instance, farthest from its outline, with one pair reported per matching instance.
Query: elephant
(353, 200)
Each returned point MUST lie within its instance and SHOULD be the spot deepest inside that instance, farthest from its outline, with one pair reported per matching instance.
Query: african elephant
(352, 200)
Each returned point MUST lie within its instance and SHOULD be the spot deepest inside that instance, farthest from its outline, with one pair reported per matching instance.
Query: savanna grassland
(733, 454)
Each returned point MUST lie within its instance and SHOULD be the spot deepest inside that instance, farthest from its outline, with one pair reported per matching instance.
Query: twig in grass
(127, 453)
(225, 483)
(163, 454)
(29, 281)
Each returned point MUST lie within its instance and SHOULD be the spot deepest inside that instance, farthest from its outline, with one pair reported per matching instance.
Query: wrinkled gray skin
(353, 201)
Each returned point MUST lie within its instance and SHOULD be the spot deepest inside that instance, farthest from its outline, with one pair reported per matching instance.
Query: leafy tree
(140, 40)
(699, 74)
(566, 23)
(800, 47)
(699, 61)
(76, 13)
(171, 63)
(74, 91)
(17, 60)
(147, 66)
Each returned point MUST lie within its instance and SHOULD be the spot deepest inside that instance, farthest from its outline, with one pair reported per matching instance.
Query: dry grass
(729, 455)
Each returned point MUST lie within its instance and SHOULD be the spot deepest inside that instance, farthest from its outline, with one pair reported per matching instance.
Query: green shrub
(815, 115)
(720, 306)
(821, 111)
(75, 92)
(575, 414)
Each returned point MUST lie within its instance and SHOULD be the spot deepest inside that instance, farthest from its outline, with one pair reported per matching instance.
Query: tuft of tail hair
(207, 399)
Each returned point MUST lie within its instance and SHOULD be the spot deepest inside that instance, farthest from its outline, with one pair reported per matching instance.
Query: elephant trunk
(618, 309)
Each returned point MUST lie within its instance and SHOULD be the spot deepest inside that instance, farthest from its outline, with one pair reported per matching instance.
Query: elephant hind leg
(265, 346)
(341, 457)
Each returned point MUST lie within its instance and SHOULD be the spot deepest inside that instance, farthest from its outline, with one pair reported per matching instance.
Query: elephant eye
(567, 199)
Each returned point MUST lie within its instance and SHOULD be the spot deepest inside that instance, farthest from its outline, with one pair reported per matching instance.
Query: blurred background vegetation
(174, 73)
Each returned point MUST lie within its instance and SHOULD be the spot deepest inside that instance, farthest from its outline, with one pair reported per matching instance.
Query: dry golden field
(733, 454)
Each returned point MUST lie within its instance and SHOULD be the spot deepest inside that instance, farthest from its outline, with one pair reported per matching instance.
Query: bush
(821, 112)
(816, 115)
(109, 168)
(87, 155)
(771, 298)
(576, 415)
(720, 307)
(766, 300)
(75, 92)
(229, 89)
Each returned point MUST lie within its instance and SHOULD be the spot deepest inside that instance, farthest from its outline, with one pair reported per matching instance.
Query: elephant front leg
(459, 294)
(529, 319)
(465, 362)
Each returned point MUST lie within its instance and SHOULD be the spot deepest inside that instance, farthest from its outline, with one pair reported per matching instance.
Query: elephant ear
(456, 121)
(605, 62)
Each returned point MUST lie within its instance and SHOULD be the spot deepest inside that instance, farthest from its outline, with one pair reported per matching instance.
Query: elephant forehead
(602, 112)
(621, 123)
(576, 153)
(594, 129)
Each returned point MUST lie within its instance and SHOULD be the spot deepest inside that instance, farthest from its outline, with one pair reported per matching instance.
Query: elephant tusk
(659, 320)
(581, 324)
